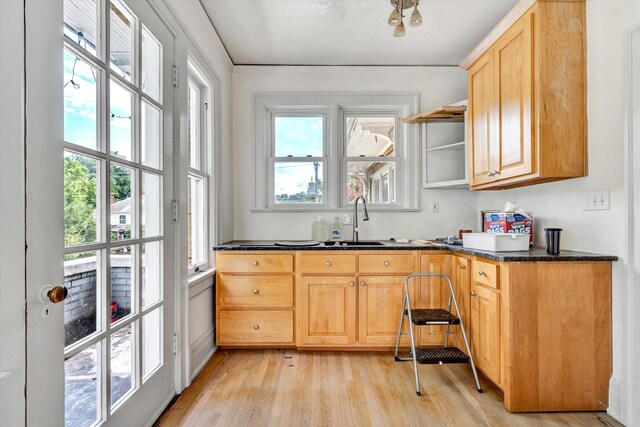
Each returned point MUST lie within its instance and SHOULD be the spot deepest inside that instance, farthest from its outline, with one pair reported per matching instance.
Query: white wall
(436, 86)
(560, 204)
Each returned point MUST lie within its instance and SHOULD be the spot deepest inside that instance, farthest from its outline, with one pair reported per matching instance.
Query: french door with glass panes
(118, 232)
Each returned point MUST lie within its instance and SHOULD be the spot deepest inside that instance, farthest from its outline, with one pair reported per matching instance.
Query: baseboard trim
(163, 408)
(615, 398)
(201, 351)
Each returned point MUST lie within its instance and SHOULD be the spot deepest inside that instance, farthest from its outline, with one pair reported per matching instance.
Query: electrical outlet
(346, 219)
(595, 200)
(435, 207)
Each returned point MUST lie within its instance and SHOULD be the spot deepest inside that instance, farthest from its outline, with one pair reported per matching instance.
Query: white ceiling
(350, 32)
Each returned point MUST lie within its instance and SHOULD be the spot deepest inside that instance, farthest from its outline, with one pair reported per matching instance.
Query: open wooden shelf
(445, 114)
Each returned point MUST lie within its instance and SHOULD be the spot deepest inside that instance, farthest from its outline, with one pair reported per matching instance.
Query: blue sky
(80, 108)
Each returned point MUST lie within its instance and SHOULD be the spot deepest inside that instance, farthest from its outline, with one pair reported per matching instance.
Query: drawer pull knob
(352, 283)
(473, 294)
(481, 273)
(328, 264)
(255, 263)
(386, 263)
(362, 283)
(256, 291)
(462, 266)
(256, 326)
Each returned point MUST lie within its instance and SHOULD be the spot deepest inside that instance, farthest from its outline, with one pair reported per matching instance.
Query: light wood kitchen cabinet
(461, 278)
(527, 99)
(433, 293)
(326, 310)
(380, 303)
(485, 330)
(255, 299)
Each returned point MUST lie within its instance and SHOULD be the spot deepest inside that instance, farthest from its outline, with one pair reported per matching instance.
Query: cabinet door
(434, 293)
(326, 310)
(485, 330)
(380, 306)
(513, 71)
(481, 112)
(461, 278)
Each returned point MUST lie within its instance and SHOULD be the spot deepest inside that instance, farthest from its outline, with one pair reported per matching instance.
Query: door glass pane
(80, 102)
(81, 195)
(196, 217)
(151, 59)
(151, 217)
(299, 136)
(80, 17)
(371, 180)
(122, 26)
(151, 273)
(370, 136)
(194, 126)
(151, 148)
(122, 202)
(81, 388)
(122, 282)
(82, 280)
(298, 182)
(151, 342)
(121, 127)
(122, 356)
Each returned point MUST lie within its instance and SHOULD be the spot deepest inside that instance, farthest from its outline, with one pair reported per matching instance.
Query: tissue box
(509, 223)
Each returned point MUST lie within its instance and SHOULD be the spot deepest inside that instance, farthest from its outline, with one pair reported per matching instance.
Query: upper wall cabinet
(527, 97)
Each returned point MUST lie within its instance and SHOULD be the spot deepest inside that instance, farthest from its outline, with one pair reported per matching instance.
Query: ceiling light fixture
(395, 19)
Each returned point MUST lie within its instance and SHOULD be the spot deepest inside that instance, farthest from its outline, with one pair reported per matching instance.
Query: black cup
(553, 240)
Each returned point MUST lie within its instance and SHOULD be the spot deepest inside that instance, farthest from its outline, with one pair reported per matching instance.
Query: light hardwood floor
(304, 388)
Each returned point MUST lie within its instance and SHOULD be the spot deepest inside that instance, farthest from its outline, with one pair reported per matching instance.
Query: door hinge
(175, 210)
(175, 343)
(175, 76)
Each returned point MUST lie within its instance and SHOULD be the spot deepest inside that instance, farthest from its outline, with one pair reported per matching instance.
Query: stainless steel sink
(362, 243)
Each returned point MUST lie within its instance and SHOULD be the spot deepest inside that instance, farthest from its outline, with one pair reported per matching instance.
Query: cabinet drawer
(329, 263)
(255, 291)
(485, 274)
(258, 263)
(255, 326)
(393, 263)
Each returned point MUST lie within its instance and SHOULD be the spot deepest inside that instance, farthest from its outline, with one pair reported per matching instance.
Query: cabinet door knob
(490, 173)
(352, 283)
(386, 263)
(462, 266)
(255, 263)
(362, 283)
(256, 326)
(256, 291)
(473, 294)
(481, 273)
(328, 264)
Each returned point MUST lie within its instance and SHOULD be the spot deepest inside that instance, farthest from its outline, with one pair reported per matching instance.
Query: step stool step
(432, 316)
(436, 355)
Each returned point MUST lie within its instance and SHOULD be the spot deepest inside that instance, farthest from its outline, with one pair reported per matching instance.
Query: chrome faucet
(365, 216)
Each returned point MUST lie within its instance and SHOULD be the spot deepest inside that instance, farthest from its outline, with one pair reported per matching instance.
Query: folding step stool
(429, 317)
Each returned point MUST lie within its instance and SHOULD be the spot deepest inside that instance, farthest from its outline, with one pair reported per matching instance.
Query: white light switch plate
(595, 200)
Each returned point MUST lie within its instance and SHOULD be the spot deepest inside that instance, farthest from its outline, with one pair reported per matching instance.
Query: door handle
(54, 294)
(473, 294)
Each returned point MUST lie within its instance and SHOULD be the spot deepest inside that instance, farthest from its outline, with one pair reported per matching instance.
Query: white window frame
(196, 77)
(337, 106)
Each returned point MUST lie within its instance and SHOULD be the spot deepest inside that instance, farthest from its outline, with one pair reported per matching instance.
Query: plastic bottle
(336, 229)
(320, 230)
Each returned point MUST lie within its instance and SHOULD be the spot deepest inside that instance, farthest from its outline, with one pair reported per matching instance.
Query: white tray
(496, 242)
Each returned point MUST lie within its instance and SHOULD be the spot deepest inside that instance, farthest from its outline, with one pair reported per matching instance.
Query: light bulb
(416, 18)
(394, 18)
(399, 31)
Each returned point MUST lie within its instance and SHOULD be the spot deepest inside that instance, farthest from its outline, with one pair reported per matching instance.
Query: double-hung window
(322, 151)
(297, 158)
(199, 92)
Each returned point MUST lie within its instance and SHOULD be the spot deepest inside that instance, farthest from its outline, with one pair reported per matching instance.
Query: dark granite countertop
(534, 254)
